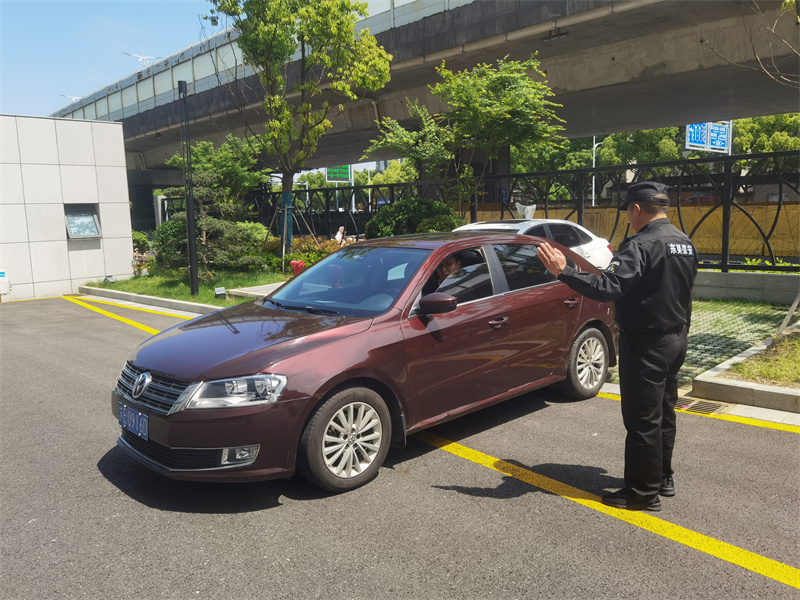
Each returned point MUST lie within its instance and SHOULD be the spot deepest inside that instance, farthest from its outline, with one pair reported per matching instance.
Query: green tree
(489, 107)
(398, 171)
(428, 147)
(334, 65)
(221, 176)
(775, 133)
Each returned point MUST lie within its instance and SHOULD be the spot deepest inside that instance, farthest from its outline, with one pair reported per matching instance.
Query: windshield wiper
(320, 311)
(309, 309)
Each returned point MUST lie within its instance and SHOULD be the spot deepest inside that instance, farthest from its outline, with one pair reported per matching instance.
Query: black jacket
(650, 279)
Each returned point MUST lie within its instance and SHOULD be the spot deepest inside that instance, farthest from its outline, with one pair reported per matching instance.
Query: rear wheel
(346, 441)
(587, 365)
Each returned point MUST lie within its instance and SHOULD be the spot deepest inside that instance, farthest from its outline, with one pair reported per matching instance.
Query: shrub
(140, 242)
(304, 248)
(440, 223)
(404, 216)
(169, 243)
(220, 244)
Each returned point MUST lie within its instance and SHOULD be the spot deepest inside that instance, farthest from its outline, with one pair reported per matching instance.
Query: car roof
(513, 223)
(434, 241)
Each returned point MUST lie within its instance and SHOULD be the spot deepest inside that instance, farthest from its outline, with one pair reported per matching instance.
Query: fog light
(238, 456)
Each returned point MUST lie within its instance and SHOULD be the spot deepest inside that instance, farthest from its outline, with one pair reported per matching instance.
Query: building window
(82, 221)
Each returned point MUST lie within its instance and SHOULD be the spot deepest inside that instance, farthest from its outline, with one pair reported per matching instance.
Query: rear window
(568, 235)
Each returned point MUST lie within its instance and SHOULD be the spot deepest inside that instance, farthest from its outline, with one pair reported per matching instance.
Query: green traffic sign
(338, 174)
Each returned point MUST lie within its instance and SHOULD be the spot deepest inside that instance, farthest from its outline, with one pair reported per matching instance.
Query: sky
(52, 49)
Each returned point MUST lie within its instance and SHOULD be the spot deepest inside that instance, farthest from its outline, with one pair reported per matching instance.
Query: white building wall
(46, 164)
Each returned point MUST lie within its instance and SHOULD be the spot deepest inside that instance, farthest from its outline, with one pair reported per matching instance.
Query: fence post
(727, 189)
(579, 199)
(328, 213)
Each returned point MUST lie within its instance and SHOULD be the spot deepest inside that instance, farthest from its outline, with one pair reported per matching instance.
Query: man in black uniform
(650, 281)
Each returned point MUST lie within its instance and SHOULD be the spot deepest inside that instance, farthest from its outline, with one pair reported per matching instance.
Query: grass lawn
(175, 285)
(777, 365)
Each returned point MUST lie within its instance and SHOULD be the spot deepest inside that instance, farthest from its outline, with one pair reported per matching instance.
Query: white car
(580, 240)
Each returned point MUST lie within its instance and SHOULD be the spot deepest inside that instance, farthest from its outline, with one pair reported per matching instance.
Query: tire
(346, 441)
(587, 365)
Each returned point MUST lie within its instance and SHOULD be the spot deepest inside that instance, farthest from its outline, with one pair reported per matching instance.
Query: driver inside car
(447, 267)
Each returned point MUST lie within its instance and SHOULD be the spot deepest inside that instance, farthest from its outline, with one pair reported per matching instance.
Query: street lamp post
(191, 226)
(594, 152)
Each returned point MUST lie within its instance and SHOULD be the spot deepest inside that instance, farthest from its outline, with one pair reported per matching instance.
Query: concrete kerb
(192, 307)
(710, 386)
(707, 385)
(252, 292)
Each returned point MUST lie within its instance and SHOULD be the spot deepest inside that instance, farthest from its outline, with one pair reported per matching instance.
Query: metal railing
(738, 210)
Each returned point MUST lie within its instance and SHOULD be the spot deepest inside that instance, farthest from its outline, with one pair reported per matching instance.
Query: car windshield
(355, 282)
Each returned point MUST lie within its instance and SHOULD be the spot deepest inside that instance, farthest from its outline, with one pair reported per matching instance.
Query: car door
(458, 358)
(543, 315)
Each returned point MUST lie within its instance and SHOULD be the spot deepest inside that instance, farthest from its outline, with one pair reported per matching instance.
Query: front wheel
(346, 441)
(587, 365)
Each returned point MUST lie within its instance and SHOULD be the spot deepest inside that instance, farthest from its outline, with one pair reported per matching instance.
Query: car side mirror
(437, 303)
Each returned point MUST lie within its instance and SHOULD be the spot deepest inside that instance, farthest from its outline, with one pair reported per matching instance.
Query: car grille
(174, 459)
(160, 396)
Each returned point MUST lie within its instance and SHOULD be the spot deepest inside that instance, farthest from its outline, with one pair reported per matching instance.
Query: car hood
(240, 340)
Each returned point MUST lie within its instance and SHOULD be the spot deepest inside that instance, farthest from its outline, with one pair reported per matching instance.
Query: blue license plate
(134, 421)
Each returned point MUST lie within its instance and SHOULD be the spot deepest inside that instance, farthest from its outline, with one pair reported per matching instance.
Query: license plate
(134, 421)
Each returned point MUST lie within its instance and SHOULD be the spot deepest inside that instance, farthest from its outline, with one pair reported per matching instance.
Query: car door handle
(572, 302)
(498, 323)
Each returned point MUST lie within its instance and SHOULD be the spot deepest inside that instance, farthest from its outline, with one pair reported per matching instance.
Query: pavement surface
(502, 503)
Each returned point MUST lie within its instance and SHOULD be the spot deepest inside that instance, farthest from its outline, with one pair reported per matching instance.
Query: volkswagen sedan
(350, 357)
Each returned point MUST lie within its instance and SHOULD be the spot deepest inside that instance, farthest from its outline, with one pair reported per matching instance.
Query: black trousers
(648, 374)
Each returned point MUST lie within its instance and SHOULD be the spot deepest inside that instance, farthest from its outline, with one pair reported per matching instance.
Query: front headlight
(236, 391)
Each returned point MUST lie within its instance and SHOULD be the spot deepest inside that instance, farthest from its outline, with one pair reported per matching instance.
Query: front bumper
(189, 445)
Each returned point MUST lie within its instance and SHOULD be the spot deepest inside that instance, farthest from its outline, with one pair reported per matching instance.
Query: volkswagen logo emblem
(141, 383)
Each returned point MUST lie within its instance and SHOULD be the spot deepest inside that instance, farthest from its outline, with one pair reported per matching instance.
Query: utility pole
(191, 225)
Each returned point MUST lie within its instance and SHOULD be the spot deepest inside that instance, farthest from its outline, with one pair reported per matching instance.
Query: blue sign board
(711, 137)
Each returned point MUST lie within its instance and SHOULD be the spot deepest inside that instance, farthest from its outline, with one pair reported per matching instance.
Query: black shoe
(623, 499)
(667, 487)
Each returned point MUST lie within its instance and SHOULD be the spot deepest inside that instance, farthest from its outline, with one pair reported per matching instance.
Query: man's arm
(624, 270)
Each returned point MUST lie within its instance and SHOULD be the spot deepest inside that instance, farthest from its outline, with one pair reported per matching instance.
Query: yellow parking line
(147, 310)
(730, 418)
(727, 552)
(149, 330)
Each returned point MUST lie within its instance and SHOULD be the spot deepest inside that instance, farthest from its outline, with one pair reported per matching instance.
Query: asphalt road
(508, 511)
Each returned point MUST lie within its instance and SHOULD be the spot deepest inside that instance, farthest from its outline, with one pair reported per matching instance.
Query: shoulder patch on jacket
(612, 266)
(675, 249)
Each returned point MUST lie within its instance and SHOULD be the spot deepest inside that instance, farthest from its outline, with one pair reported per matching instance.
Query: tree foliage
(774, 133)
(488, 107)
(221, 244)
(221, 176)
(335, 64)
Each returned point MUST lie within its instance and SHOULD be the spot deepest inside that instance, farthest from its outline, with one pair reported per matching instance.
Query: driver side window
(471, 280)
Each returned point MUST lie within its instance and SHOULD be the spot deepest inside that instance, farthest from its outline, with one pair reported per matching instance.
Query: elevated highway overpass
(614, 65)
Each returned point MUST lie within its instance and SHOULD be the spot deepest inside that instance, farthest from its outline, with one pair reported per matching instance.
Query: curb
(711, 387)
(152, 300)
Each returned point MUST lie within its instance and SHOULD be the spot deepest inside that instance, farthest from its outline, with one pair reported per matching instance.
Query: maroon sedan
(377, 341)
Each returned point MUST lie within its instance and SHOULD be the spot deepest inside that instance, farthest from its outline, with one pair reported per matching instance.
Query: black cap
(646, 191)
